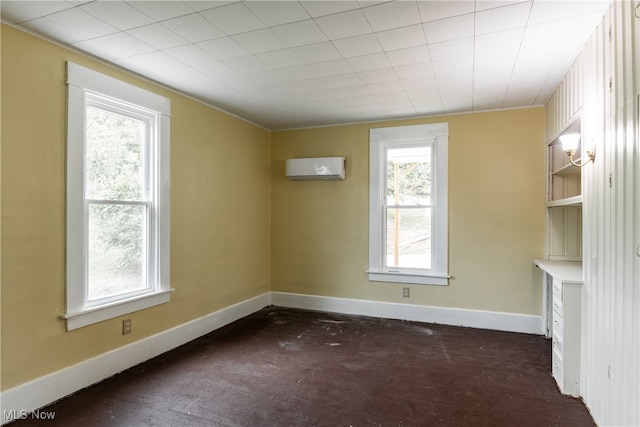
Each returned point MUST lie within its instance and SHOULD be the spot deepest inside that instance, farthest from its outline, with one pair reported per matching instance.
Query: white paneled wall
(604, 86)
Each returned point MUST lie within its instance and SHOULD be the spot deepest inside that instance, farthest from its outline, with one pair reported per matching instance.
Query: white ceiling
(289, 64)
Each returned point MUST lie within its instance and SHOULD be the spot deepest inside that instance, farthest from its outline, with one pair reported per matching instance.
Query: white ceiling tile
(494, 66)
(449, 29)
(317, 52)
(161, 10)
(82, 23)
(322, 95)
(378, 76)
(434, 10)
(118, 14)
(457, 103)
(222, 73)
(193, 28)
(96, 49)
(338, 81)
(411, 71)
(390, 15)
(345, 24)
(374, 61)
(499, 41)
(247, 64)
(186, 79)
(124, 44)
(277, 12)
(418, 83)
(387, 88)
(132, 64)
(367, 100)
(201, 5)
(189, 54)
(20, 11)
(158, 36)
(455, 71)
(281, 58)
(352, 91)
(358, 45)
(157, 61)
(330, 68)
(233, 19)
(492, 4)
(542, 11)
(54, 30)
(265, 77)
(502, 18)
(424, 96)
(412, 55)
(400, 38)
(300, 33)
(223, 48)
(259, 41)
(451, 49)
(299, 72)
(323, 7)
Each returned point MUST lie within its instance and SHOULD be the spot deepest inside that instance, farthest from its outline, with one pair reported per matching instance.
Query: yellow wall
(220, 224)
(496, 215)
(238, 228)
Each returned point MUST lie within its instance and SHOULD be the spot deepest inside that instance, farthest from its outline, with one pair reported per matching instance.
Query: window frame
(380, 141)
(87, 87)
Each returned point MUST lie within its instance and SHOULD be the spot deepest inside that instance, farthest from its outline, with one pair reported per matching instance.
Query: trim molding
(499, 321)
(42, 391)
(47, 389)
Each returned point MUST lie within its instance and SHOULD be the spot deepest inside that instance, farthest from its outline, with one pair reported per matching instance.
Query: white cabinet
(563, 285)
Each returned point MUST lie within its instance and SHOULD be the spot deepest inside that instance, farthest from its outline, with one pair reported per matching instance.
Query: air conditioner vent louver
(315, 168)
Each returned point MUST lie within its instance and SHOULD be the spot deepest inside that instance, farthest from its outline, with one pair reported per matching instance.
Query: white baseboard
(35, 394)
(511, 322)
(18, 401)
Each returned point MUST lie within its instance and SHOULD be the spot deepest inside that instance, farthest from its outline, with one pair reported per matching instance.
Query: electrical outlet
(406, 293)
(126, 326)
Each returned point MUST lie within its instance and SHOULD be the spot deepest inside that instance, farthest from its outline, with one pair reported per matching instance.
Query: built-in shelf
(564, 179)
(569, 201)
(568, 169)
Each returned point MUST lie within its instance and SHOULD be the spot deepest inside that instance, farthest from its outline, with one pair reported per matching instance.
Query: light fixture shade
(570, 142)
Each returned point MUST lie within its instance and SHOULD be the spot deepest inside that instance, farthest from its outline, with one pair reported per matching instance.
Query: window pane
(409, 176)
(408, 238)
(116, 250)
(115, 153)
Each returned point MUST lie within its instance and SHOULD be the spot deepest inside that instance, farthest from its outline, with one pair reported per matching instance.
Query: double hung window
(117, 198)
(408, 204)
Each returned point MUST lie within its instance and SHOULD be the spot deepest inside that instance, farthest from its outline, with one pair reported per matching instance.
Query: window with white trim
(408, 234)
(117, 198)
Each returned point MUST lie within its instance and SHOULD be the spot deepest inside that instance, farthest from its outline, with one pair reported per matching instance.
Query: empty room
(329, 213)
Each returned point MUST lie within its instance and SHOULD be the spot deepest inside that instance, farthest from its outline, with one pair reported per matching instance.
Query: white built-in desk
(563, 301)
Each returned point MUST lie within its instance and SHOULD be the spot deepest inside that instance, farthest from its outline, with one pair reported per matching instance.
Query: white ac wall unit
(322, 168)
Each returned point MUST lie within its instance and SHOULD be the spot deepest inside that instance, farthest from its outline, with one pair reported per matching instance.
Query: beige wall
(496, 215)
(238, 228)
(220, 205)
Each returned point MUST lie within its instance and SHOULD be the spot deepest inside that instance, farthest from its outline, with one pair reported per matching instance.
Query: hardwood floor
(285, 367)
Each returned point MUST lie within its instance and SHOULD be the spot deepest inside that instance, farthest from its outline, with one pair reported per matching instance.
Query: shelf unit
(564, 201)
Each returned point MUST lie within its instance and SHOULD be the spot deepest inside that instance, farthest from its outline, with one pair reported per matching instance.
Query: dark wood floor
(284, 367)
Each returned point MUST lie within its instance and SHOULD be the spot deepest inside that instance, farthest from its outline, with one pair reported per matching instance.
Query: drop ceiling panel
(303, 63)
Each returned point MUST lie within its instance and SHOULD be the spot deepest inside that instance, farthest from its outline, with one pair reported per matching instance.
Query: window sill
(418, 279)
(109, 311)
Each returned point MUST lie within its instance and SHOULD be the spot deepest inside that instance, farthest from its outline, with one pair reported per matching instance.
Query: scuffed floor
(286, 367)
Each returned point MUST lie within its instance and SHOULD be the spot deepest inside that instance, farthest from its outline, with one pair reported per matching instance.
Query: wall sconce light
(570, 146)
